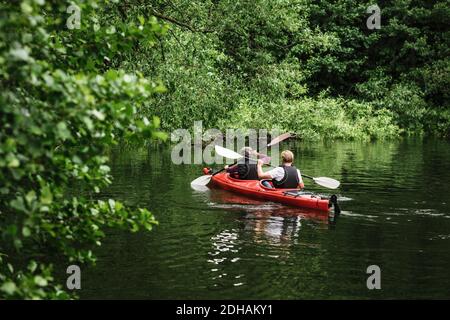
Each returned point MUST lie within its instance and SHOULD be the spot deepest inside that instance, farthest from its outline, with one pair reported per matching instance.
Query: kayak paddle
(324, 181)
(321, 181)
(227, 153)
(201, 181)
(278, 139)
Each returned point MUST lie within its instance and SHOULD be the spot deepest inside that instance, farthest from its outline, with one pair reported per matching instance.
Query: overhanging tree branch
(179, 23)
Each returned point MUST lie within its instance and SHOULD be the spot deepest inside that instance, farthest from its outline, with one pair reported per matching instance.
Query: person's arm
(231, 169)
(300, 179)
(261, 173)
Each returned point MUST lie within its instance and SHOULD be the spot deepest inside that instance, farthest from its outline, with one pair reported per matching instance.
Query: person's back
(290, 177)
(285, 176)
(246, 168)
(247, 171)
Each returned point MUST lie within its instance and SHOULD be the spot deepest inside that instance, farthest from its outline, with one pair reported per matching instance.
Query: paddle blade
(227, 153)
(327, 182)
(280, 138)
(200, 188)
(201, 181)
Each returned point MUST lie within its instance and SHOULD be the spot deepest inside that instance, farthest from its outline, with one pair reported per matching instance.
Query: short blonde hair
(287, 156)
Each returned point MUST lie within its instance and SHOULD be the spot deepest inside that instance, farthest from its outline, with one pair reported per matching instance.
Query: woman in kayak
(245, 169)
(285, 176)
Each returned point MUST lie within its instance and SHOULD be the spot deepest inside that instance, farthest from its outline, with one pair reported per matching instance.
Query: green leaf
(18, 204)
(40, 281)
(105, 168)
(98, 114)
(30, 197)
(112, 204)
(111, 30)
(111, 75)
(19, 54)
(118, 206)
(12, 161)
(9, 287)
(26, 232)
(63, 132)
(18, 244)
(46, 196)
(159, 135)
(32, 266)
(89, 123)
(156, 122)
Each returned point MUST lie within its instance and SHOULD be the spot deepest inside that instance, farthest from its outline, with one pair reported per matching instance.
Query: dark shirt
(233, 170)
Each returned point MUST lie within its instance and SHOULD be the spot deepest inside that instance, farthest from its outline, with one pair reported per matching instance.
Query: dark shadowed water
(213, 245)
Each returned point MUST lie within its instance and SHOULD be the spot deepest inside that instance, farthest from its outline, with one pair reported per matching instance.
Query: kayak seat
(267, 184)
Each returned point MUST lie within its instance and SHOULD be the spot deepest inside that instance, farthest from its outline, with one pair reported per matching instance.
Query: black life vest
(290, 179)
(247, 171)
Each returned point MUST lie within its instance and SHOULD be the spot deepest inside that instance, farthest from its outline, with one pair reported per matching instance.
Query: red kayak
(292, 197)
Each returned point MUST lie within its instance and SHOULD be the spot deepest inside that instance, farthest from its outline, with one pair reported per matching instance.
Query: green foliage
(62, 107)
(219, 53)
(34, 283)
(196, 89)
(67, 95)
(317, 118)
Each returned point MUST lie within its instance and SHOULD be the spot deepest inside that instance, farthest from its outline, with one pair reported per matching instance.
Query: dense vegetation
(67, 95)
(312, 67)
(61, 108)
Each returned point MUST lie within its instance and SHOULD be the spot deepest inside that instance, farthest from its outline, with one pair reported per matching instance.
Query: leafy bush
(316, 118)
(195, 90)
(61, 109)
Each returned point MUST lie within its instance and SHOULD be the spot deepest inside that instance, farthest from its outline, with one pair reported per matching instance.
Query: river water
(215, 245)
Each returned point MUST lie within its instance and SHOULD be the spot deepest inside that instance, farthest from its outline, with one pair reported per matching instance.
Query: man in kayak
(245, 169)
(285, 176)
